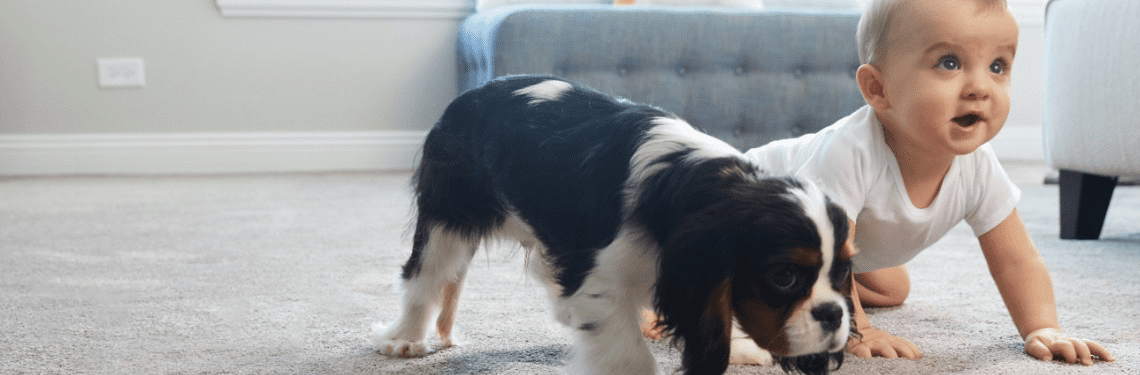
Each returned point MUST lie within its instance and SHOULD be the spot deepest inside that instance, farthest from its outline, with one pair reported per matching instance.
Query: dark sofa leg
(1084, 202)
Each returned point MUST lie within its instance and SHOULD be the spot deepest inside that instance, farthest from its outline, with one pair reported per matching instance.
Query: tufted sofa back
(745, 76)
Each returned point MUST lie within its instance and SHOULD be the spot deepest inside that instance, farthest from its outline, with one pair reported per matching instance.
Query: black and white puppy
(622, 207)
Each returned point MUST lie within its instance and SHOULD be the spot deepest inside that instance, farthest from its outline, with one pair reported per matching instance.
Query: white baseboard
(206, 153)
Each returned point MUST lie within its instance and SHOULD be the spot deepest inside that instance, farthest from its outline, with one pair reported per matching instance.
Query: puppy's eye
(783, 278)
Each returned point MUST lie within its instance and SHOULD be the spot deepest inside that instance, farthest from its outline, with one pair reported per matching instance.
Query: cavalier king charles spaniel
(620, 207)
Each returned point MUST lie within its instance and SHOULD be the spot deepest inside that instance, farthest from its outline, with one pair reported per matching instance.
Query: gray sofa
(745, 76)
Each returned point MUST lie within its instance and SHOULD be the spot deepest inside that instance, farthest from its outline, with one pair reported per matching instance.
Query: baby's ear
(870, 81)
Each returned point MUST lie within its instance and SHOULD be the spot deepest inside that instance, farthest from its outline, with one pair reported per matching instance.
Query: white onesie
(851, 162)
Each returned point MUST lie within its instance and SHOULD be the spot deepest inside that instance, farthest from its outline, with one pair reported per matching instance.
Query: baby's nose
(976, 88)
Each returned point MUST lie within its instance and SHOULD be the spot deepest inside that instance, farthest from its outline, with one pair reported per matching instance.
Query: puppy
(623, 206)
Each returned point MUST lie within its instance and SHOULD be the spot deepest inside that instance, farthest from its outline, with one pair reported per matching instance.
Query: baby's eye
(998, 67)
(949, 62)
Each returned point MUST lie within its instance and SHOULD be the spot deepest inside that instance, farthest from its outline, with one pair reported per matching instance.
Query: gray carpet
(284, 274)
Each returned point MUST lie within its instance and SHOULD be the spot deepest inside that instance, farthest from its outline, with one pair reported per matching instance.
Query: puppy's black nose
(829, 315)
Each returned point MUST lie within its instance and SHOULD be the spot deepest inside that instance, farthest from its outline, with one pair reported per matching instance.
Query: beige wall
(208, 73)
(304, 93)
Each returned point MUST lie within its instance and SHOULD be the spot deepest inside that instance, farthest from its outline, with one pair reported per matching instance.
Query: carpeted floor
(284, 274)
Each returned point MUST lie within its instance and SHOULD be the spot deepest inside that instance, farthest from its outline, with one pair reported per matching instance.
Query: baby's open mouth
(967, 120)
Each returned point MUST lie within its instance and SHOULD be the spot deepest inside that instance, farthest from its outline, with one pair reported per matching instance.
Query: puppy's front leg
(744, 351)
(608, 337)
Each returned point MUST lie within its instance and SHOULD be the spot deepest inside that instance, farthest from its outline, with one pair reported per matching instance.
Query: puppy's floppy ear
(695, 303)
(685, 209)
(694, 291)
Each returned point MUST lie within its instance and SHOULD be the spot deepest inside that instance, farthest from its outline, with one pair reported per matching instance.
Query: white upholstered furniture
(1091, 118)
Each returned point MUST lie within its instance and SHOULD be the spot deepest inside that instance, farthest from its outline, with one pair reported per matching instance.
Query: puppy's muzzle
(829, 315)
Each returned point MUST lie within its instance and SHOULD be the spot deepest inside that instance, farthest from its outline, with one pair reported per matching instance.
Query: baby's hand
(875, 342)
(1047, 343)
(649, 327)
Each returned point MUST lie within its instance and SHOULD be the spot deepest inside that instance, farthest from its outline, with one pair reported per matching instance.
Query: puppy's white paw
(388, 344)
(744, 351)
(402, 349)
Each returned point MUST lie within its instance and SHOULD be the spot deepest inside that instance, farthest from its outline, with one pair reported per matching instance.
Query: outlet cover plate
(121, 72)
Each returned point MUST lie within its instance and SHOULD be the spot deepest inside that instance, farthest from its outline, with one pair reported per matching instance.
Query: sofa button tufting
(799, 72)
(738, 70)
(622, 71)
(562, 69)
(739, 130)
(681, 71)
(802, 127)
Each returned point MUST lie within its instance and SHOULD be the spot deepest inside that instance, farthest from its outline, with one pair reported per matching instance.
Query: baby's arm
(1024, 284)
(875, 342)
(872, 341)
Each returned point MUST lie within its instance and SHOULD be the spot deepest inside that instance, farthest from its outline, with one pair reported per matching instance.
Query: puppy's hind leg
(446, 319)
(433, 272)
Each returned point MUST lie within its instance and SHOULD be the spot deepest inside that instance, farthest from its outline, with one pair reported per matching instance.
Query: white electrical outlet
(121, 72)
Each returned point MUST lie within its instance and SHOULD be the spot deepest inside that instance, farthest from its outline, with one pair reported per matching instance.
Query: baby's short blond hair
(876, 20)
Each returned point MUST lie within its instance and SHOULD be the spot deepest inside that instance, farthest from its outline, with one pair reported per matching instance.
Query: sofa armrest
(1091, 114)
(745, 76)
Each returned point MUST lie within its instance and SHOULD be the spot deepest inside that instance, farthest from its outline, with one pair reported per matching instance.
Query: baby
(914, 162)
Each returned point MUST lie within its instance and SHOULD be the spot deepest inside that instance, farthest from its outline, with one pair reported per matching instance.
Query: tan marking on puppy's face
(720, 307)
(765, 325)
(807, 257)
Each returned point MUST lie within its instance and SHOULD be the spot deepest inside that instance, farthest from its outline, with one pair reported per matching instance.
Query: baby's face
(946, 74)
